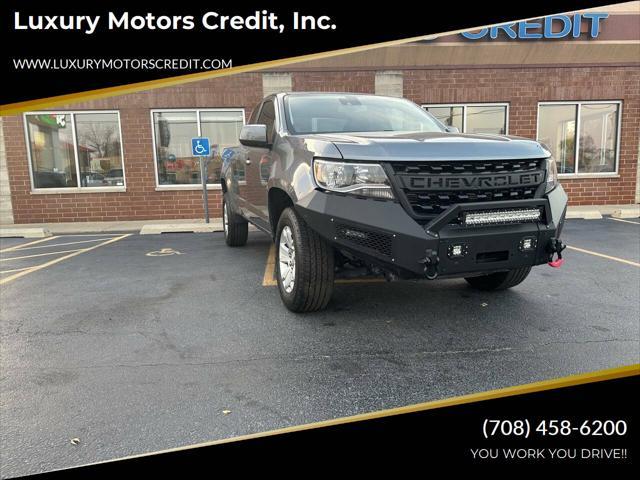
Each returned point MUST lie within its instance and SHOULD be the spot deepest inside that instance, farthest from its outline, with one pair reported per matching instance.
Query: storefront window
(90, 158)
(451, 116)
(173, 134)
(473, 118)
(598, 138)
(223, 130)
(557, 130)
(597, 141)
(486, 119)
(173, 131)
(99, 152)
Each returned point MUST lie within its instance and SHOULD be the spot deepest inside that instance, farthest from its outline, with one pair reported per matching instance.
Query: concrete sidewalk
(593, 212)
(65, 228)
(198, 225)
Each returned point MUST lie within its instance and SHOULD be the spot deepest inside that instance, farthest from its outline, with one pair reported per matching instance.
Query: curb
(37, 232)
(584, 214)
(633, 212)
(158, 228)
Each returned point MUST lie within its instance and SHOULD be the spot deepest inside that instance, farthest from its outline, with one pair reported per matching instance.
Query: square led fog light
(457, 250)
(527, 244)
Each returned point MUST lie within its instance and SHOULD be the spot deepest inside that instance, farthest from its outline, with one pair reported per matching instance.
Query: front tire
(236, 228)
(304, 265)
(500, 280)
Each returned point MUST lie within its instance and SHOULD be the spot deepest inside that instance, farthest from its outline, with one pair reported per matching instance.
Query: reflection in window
(449, 115)
(472, 118)
(598, 138)
(597, 141)
(51, 147)
(557, 130)
(173, 132)
(487, 119)
(223, 130)
(99, 152)
(55, 158)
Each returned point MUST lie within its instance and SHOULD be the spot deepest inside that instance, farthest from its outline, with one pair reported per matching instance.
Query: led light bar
(499, 217)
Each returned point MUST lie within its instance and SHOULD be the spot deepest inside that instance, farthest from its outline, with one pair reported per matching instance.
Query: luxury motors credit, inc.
(89, 24)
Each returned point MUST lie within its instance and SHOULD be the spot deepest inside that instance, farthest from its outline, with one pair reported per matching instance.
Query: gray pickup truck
(353, 184)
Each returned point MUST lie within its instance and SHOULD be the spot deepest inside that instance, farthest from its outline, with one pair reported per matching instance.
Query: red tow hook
(555, 246)
(556, 263)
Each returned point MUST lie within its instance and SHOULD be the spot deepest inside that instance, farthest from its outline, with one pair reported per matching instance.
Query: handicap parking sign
(200, 147)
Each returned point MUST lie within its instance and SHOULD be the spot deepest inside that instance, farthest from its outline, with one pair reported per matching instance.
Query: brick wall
(363, 82)
(141, 200)
(521, 87)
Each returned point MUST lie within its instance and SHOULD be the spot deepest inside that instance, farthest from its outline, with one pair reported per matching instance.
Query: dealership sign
(553, 26)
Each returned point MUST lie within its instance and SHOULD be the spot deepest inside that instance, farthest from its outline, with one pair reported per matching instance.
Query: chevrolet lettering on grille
(468, 182)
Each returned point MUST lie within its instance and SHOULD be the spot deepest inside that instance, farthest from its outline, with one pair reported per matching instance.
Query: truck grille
(467, 168)
(425, 185)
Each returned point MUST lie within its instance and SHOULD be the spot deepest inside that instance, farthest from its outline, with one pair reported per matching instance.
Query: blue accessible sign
(200, 147)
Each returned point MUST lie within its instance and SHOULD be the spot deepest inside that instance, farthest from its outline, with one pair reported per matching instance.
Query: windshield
(338, 113)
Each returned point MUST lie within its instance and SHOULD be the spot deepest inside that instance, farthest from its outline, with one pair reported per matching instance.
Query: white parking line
(66, 243)
(625, 221)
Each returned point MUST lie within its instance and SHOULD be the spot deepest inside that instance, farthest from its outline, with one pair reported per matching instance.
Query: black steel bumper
(383, 233)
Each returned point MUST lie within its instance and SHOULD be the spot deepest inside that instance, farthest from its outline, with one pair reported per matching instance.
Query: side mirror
(453, 130)
(254, 136)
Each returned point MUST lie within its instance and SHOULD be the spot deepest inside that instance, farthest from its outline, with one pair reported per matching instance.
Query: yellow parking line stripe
(15, 270)
(8, 259)
(17, 247)
(66, 243)
(625, 221)
(60, 259)
(602, 255)
(269, 277)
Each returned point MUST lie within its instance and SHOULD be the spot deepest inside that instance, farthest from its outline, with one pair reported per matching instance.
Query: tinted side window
(254, 114)
(268, 117)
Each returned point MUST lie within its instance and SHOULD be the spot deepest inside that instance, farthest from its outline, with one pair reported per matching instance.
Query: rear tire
(500, 280)
(304, 265)
(236, 228)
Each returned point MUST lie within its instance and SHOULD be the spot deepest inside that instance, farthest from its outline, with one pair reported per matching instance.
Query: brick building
(128, 157)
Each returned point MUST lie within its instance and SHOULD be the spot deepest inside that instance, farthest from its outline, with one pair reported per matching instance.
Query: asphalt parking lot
(131, 343)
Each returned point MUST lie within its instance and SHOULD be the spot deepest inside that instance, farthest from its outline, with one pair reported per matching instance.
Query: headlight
(552, 174)
(367, 179)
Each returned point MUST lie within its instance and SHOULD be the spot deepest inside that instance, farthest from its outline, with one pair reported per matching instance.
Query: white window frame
(464, 111)
(579, 104)
(79, 188)
(210, 186)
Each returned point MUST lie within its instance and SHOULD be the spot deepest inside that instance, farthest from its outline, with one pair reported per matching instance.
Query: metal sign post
(200, 148)
(205, 195)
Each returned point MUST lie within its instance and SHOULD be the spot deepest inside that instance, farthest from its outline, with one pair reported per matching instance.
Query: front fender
(292, 169)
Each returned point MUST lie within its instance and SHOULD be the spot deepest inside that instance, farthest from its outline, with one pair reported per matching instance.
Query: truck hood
(420, 146)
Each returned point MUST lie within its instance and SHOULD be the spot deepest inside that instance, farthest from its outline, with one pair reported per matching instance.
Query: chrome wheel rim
(225, 219)
(287, 259)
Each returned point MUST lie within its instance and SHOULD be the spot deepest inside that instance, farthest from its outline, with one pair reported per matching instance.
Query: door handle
(247, 162)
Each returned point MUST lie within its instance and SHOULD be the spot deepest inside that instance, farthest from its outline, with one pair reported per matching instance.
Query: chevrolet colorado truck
(353, 184)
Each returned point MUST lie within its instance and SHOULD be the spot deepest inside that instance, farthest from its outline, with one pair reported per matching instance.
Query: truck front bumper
(382, 233)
